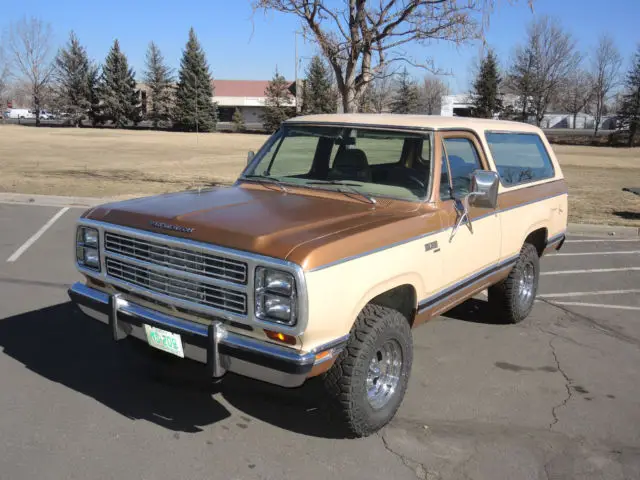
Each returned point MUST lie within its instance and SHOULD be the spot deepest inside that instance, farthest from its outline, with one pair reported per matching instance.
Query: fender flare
(412, 279)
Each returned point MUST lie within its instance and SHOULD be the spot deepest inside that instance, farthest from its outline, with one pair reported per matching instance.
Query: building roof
(239, 88)
(429, 122)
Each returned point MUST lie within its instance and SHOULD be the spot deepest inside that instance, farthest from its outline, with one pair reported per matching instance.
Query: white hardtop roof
(428, 122)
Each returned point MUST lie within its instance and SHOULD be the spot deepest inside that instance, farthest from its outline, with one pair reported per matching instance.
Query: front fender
(412, 279)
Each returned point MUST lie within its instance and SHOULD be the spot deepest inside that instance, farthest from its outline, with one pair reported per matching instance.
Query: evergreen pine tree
(238, 121)
(73, 68)
(158, 77)
(118, 95)
(278, 99)
(318, 95)
(486, 100)
(93, 91)
(194, 108)
(407, 96)
(629, 114)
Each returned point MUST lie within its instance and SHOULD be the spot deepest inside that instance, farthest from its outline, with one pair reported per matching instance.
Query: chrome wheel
(384, 374)
(526, 284)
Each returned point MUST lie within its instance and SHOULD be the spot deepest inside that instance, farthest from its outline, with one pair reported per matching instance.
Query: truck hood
(251, 218)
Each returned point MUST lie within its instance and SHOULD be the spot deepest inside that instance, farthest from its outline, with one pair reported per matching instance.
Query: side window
(519, 157)
(463, 161)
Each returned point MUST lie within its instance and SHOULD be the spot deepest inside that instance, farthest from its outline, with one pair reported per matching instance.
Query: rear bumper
(220, 349)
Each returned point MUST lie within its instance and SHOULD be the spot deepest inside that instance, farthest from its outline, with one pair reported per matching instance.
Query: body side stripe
(556, 238)
(419, 237)
(462, 284)
(376, 250)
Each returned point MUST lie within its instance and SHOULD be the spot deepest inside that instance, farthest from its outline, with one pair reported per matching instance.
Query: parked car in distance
(20, 113)
(343, 233)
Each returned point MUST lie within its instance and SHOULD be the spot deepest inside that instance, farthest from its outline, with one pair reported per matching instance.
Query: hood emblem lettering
(174, 228)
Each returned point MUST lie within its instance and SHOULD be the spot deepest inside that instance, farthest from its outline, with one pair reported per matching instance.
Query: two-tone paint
(351, 251)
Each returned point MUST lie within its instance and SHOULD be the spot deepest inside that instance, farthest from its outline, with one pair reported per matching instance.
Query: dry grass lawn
(105, 163)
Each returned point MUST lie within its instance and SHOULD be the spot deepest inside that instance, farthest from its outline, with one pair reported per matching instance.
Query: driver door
(471, 251)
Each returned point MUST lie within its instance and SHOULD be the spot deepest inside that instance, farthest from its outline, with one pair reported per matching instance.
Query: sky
(240, 45)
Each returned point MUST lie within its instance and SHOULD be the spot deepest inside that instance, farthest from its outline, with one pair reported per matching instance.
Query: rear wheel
(368, 381)
(513, 298)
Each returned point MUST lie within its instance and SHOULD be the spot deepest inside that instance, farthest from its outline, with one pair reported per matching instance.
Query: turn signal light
(281, 337)
(323, 356)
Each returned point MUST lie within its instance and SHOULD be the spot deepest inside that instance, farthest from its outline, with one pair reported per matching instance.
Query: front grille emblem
(168, 226)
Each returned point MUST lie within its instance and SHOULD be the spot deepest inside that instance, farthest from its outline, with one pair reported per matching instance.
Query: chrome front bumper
(220, 349)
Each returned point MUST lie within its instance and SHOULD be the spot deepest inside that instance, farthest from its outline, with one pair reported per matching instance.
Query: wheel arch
(537, 237)
(399, 293)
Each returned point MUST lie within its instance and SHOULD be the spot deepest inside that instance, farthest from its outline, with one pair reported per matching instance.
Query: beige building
(246, 95)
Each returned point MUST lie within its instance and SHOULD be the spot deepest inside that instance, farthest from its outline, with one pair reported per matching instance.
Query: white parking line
(604, 240)
(596, 305)
(592, 270)
(585, 294)
(36, 235)
(579, 254)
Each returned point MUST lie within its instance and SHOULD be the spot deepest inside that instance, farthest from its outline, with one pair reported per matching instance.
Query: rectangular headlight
(87, 248)
(90, 237)
(275, 296)
(91, 257)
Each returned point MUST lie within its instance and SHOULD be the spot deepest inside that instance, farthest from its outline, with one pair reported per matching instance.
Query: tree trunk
(598, 115)
(349, 100)
(575, 116)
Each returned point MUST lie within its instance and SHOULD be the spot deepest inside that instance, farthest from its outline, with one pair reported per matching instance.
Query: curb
(588, 230)
(51, 200)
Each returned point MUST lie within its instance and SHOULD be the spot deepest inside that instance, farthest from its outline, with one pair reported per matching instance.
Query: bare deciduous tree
(577, 93)
(29, 47)
(520, 78)
(361, 37)
(431, 93)
(4, 75)
(605, 68)
(378, 96)
(542, 66)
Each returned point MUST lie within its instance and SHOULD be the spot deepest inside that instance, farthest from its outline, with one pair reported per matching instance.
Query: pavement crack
(567, 384)
(418, 469)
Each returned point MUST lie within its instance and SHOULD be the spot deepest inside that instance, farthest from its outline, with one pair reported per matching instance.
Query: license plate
(165, 341)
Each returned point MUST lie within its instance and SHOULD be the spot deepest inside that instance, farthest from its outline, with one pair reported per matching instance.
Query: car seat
(351, 164)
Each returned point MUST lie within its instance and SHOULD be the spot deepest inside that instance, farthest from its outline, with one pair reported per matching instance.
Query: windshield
(371, 162)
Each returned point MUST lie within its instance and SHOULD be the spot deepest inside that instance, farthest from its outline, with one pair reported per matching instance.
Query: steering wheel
(417, 180)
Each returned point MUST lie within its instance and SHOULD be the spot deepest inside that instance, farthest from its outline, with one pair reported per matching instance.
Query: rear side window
(519, 157)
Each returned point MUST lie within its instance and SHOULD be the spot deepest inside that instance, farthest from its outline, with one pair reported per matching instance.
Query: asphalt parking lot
(557, 396)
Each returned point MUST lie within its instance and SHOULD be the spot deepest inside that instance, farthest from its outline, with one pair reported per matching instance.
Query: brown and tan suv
(342, 234)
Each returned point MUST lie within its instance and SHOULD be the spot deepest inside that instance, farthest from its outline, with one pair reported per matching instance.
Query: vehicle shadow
(474, 310)
(627, 214)
(63, 345)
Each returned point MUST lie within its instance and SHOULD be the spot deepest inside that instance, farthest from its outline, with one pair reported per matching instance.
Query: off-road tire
(505, 297)
(345, 382)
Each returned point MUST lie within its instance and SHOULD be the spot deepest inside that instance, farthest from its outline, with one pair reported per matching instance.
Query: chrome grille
(177, 287)
(187, 260)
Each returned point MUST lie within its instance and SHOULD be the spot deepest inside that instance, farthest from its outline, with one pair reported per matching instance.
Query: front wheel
(513, 298)
(369, 379)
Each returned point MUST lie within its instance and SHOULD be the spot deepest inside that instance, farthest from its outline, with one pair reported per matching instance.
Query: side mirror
(484, 189)
(250, 156)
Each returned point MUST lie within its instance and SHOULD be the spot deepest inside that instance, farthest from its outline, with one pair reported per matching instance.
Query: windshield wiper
(265, 181)
(349, 186)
